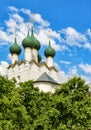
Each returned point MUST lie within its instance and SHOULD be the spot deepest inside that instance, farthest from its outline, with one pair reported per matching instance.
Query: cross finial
(32, 18)
(28, 25)
(49, 34)
(15, 31)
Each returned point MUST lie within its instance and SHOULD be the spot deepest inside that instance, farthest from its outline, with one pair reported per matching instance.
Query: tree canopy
(24, 107)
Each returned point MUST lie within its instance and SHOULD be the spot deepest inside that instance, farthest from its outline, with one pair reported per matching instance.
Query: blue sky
(69, 22)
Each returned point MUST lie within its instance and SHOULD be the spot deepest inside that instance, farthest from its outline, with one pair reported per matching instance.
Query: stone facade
(25, 71)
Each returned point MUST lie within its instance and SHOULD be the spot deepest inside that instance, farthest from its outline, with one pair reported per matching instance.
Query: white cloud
(87, 45)
(87, 79)
(26, 11)
(10, 24)
(41, 32)
(73, 71)
(65, 62)
(73, 37)
(3, 67)
(62, 76)
(9, 57)
(10, 33)
(35, 17)
(44, 38)
(52, 34)
(17, 18)
(89, 32)
(86, 68)
(4, 38)
(12, 8)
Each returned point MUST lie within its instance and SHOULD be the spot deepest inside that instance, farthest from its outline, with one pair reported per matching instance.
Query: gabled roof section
(49, 68)
(53, 68)
(46, 78)
(43, 64)
(33, 61)
(21, 62)
(16, 63)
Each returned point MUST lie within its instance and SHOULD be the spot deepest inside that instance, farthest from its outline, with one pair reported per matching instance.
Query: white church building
(43, 74)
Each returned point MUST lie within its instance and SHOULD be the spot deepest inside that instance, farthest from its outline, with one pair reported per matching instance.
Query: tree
(68, 108)
(25, 107)
(74, 103)
(36, 104)
(13, 114)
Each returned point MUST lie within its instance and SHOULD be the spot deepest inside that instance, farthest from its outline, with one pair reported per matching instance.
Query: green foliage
(74, 103)
(13, 115)
(26, 108)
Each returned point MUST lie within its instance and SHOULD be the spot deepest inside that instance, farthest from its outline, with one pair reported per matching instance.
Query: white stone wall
(54, 74)
(14, 58)
(49, 61)
(35, 54)
(43, 69)
(30, 71)
(46, 86)
(28, 54)
(24, 72)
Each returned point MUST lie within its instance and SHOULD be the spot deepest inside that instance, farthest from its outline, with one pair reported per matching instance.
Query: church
(43, 73)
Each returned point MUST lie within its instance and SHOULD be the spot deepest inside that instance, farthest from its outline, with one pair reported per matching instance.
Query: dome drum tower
(14, 58)
(28, 45)
(49, 53)
(31, 46)
(15, 50)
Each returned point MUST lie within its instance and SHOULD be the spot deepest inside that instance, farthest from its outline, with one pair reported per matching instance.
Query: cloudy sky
(67, 23)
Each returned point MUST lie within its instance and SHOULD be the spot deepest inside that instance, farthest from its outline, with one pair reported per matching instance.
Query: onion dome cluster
(27, 41)
(31, 41)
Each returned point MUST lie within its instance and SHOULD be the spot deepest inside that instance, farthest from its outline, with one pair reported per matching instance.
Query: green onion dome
(15, 48)
(36, 43)
(27, 41)
(49, 51)
(39, 58)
